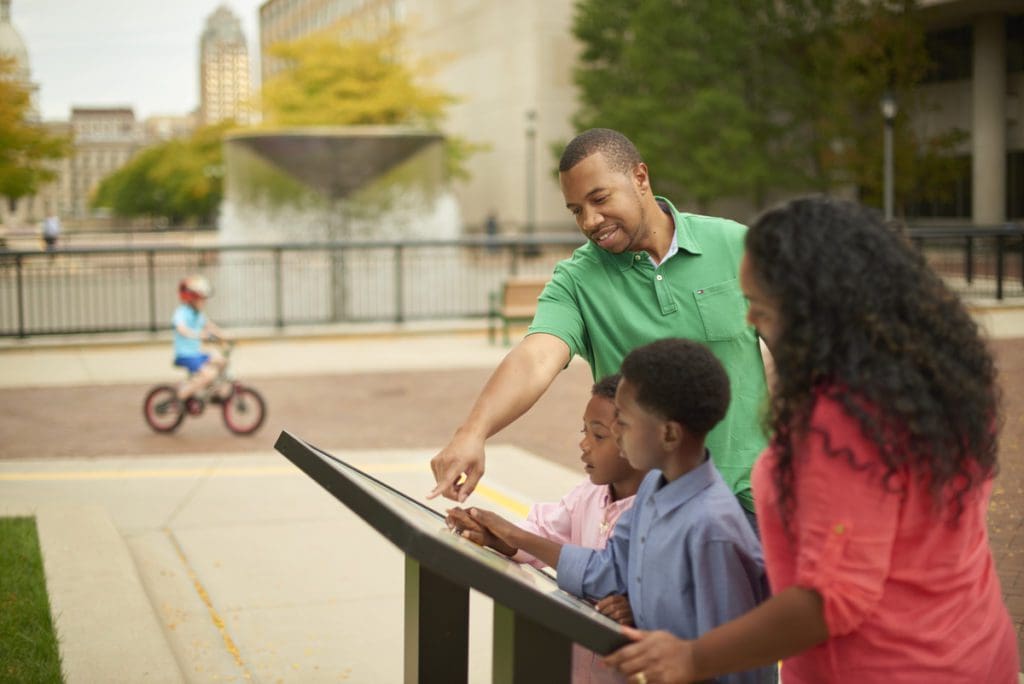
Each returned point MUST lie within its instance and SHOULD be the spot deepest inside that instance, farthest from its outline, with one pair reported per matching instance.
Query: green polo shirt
(605, 305)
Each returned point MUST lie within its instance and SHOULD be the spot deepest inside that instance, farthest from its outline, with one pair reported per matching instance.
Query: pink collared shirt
(586, 517)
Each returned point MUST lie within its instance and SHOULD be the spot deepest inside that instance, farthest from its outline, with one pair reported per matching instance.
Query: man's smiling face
(606, 202)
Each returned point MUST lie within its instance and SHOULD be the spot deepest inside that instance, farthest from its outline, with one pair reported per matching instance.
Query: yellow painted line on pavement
(507, 502)
(492, 495)
(171, 473)
(487, 493)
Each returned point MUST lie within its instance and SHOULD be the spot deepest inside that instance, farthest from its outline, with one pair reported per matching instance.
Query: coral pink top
(907, 596)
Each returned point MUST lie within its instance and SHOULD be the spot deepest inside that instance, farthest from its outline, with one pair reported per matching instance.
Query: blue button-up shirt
(684, 554)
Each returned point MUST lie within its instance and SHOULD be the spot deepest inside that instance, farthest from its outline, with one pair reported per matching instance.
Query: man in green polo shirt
(648, 271)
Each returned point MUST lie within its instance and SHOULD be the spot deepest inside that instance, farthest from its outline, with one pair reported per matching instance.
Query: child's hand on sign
(462, 523)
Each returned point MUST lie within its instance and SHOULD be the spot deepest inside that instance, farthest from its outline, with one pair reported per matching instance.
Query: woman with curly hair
(872, 493)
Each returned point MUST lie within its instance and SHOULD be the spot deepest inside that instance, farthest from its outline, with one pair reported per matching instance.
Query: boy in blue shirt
(191, 327)
(685, 553)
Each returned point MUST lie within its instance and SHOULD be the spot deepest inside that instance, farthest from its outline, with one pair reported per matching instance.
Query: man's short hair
(679, 380)
(618, 150)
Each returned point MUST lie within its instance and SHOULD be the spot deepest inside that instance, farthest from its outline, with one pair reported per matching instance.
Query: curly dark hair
(679, 380)
(606, 386)
(863, 320)
(618, 150)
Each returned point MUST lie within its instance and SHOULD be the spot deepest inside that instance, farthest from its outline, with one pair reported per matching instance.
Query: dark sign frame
(533, 628)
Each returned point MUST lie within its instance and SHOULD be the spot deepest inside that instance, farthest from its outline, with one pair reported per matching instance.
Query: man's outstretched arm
(515, 386)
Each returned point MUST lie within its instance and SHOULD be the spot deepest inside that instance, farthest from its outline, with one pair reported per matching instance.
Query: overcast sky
(140, 53)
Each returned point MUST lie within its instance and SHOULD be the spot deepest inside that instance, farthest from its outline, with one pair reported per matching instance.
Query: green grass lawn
(28, 644)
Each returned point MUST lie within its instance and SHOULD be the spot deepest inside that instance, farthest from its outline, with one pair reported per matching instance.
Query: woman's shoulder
(834, 406)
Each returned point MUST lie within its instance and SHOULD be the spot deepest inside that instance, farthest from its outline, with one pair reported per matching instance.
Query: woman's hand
(654, 658)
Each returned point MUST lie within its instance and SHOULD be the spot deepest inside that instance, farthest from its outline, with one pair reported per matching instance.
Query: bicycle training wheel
(244, 410)
(162, 409)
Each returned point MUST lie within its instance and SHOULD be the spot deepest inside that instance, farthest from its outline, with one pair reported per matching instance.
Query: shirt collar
(672, 495)
(682, 239)
(606, 500)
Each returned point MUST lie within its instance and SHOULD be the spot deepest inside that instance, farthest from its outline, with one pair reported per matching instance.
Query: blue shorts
(193, 363)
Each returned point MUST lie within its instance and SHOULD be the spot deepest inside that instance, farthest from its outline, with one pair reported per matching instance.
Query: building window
(1015, 43)
(951, 53)
(1015, 185)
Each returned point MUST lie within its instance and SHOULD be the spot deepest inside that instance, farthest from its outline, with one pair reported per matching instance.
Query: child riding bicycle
(191, 328)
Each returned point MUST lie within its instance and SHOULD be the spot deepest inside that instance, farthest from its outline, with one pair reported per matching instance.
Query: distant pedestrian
(51, 231)
(491, 228)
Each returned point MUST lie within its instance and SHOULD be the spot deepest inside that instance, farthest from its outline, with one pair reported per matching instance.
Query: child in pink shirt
(586, 516)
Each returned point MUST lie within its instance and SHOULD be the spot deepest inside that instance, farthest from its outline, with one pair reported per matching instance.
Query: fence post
(278, 288)
(151, 276)
(21, 296)
(1022, 260)
(1000, 243)
(399, 295)
(969, 259)
(332, 284)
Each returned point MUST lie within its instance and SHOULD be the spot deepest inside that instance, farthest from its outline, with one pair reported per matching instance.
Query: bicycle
(243, 409)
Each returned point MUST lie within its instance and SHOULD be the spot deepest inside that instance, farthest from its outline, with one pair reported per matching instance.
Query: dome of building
(11, 44)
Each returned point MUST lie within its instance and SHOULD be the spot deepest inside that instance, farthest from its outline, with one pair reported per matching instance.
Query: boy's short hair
(618, 150)
(679, 380)
(606, 386)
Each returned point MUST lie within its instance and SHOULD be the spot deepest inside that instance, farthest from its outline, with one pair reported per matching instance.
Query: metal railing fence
(976, 261)
(94, 290)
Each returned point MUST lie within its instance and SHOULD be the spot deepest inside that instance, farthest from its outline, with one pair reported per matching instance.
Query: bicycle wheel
(244, 410)
(162, 409)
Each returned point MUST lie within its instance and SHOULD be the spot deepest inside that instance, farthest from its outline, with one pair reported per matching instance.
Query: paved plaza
(201, 556)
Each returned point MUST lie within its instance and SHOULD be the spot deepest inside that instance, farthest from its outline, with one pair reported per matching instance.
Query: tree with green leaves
(27, 149)
(180, 180)
(749, 97)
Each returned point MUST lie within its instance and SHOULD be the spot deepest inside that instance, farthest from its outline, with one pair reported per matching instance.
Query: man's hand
(617, 608)
(516, 385)
(460, 521)
(662, 658)
(464, 455)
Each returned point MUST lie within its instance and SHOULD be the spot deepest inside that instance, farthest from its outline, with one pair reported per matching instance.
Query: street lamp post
(889, 110)
(531, 162)
(531, 249)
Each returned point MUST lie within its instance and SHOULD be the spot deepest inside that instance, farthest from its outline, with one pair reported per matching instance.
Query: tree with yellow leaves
(332, 81)
(25, 145)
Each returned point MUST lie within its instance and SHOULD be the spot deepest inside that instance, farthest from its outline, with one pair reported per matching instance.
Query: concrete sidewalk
(232, 568)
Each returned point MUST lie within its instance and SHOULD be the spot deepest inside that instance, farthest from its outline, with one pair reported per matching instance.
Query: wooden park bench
(515, 302)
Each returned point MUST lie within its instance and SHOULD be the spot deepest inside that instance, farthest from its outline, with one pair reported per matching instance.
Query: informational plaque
(535, 622)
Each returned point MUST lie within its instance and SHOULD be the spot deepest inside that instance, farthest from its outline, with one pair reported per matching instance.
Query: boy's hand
(617, 608)
(496, 525)
(460, 521)
(660, 657)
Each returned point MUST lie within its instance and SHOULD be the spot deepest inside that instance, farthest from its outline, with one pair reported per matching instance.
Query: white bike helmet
(194, 288)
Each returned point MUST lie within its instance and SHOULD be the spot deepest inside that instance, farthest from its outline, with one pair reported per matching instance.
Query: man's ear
(641, 178)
